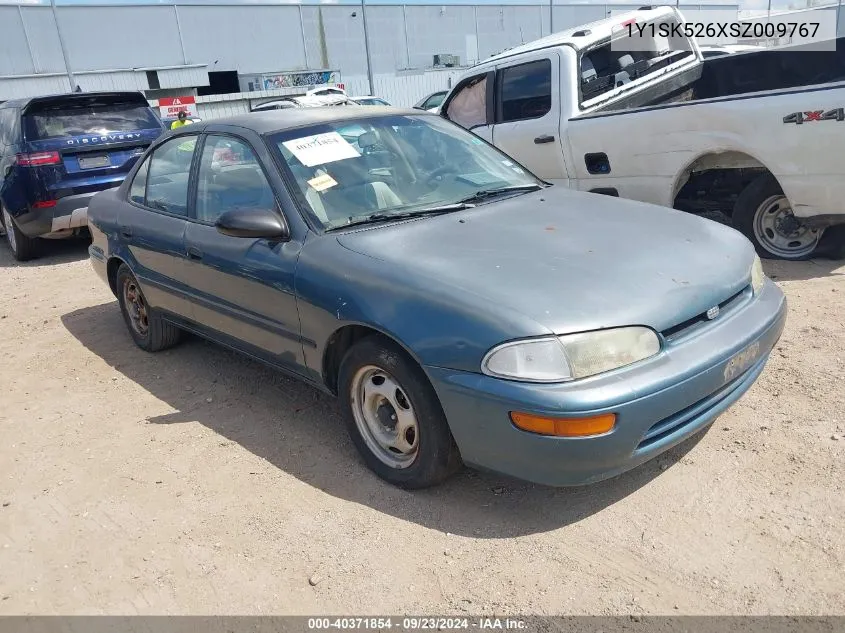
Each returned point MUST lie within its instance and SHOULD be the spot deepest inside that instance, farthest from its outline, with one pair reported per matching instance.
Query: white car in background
(304, 101)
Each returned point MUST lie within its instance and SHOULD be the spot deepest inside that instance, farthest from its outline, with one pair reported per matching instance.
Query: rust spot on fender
(551, 228)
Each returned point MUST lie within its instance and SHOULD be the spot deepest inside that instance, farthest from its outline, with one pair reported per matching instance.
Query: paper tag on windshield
(321, 149)
(321, 183)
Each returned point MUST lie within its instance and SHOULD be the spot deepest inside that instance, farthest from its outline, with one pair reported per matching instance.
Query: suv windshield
(374, 168)
(90, 119)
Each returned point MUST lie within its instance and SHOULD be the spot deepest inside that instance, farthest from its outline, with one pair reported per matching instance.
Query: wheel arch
(112, 266)
(342, 339)
(724, 161)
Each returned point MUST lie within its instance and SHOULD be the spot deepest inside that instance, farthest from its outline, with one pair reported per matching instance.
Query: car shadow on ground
(299, 430)
(780, 270)
(50, 253)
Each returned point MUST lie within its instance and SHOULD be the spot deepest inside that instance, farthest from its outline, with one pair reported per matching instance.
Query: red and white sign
(170, 107)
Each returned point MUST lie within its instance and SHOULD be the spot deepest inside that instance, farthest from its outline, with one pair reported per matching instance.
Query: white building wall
(98, 38)
(43, 40)
(15, 58)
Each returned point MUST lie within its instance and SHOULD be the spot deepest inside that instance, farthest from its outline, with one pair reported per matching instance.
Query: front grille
(690, 325)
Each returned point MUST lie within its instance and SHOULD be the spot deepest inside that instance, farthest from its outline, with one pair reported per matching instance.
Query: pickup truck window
(526, 91)
(468, 108)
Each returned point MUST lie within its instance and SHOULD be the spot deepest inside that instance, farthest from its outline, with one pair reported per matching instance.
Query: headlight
(569, 357)
(758, 277)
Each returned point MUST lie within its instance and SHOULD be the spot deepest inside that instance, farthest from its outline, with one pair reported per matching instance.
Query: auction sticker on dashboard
(323, 182)
(321, 149)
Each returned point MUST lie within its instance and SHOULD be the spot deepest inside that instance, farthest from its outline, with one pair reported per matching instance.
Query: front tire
(148, 329)
(23, 248)
(394, 417)
(764, 215)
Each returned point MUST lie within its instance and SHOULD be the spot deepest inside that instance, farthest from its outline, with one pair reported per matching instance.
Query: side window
(468, 108)
(169, 172)
(139, 184)
(230, 177)
(526, 91)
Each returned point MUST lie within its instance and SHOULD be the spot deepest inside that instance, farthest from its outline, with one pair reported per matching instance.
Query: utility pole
(62, 46)
(367, 48)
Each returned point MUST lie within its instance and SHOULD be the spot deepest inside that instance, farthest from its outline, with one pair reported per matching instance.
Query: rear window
(89, 120)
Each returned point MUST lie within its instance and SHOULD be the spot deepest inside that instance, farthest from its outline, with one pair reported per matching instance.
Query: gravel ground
(198, 482)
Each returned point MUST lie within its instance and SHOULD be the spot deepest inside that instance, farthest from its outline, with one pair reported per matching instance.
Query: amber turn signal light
(564, 427)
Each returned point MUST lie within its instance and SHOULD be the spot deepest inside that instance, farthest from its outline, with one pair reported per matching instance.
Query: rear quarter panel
(649, 149)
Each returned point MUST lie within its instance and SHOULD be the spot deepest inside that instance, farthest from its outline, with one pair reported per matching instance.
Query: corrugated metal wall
(253, 38)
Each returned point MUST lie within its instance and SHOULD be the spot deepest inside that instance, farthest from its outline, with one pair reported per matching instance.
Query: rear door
(152, 225)
(244, 287)
(79, 144)
(10, 130)
(527, 113)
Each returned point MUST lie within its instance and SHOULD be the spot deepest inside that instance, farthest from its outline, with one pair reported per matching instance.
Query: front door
(244, 287)
(527, 114)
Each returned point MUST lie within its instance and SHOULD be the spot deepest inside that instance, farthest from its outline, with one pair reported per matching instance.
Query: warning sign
(170, 107)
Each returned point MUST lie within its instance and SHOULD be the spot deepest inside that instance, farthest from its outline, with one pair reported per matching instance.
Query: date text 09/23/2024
(416, 623)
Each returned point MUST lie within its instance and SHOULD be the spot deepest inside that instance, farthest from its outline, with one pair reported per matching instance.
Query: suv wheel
(22, 247)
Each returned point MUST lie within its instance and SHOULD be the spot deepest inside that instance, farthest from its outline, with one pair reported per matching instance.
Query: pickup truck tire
(148, 329)
(394, 417)
(23, 248)
(763, 214)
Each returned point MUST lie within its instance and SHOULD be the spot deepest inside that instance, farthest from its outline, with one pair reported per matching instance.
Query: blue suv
(57, 151)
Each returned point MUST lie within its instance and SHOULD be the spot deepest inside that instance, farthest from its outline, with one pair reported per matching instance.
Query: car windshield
(354, 171)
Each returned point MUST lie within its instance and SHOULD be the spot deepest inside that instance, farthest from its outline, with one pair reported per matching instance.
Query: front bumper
(658, 403)
(70, 212)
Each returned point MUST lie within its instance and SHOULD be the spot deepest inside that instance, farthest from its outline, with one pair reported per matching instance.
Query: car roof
(281, 120)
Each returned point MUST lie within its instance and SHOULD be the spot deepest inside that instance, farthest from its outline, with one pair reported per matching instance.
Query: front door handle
(194, 252)
(545, 138)
(126, 232)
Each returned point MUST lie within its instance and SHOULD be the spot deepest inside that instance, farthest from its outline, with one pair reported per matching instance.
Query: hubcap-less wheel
(780, 232)
(10, 231)
(384, 417)
(136, 308)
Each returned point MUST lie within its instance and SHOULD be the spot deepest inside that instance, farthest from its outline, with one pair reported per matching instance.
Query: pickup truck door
(527, 113)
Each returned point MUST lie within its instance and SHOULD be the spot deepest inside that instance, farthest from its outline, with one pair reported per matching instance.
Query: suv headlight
(572, 356)
(758, 277)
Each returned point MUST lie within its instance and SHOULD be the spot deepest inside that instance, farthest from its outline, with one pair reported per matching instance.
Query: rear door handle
(126, 232)
(545, 138)
(194, 253)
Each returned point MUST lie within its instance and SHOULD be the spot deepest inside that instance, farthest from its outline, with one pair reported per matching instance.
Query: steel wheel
(10, 231)
(782, 234)
(136, 308)
(384, 417)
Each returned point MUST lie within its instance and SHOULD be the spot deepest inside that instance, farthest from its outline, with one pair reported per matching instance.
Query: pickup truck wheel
(394, 417)
(148, 329)
(765, 216)
(23, 248)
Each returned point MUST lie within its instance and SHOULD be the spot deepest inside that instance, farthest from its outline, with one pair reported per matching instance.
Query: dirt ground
(198, 482)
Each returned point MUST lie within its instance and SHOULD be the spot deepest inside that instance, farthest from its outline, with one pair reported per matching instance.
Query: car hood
(571, 261)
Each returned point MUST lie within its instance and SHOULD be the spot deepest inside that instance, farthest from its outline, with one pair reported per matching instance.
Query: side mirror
(255, 223)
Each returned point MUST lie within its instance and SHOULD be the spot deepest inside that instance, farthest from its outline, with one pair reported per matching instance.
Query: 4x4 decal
(815, 115)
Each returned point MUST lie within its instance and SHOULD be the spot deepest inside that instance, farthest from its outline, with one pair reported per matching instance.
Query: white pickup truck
(757, 137)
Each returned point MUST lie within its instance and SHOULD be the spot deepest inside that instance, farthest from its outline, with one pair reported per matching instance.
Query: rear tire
(763, 214)
(394, 417)
(147, 327)
(23, 248)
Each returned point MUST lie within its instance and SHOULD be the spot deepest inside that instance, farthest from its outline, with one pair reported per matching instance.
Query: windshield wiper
(381, 216)
(491, 193)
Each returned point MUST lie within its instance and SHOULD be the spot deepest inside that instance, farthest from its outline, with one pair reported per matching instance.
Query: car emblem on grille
(713, 312)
